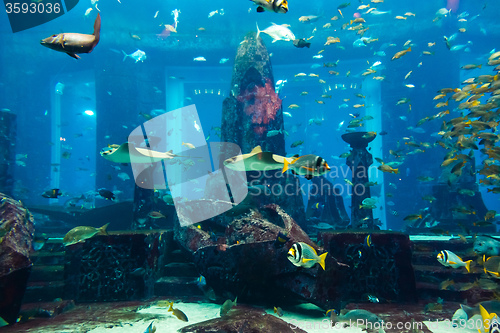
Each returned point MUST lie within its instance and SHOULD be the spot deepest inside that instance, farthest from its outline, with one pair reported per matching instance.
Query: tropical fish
(137, 55)
(278, 311)
(301, 43)
(52, 194)
(151, 328)
(277, 6)
(106, 194)
(256, 160)
(307, 166)
(363, 318)
(401, 53)
(450, 259)
(228, 304)
(199, 59)
(176, 312)
(277, 32)
(73, 43)
(304, 255)
(80, 234)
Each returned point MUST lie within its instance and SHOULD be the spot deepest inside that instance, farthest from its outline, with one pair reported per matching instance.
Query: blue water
(30, 73)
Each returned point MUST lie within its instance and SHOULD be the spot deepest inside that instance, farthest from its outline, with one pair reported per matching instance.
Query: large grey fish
(73, 43)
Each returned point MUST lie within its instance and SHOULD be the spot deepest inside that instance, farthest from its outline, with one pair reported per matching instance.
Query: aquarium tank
(249, 166)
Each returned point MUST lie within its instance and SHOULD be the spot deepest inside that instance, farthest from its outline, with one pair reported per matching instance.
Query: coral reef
(261, 103)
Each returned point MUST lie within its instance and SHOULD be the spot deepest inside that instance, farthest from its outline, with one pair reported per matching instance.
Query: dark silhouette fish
(73, 43)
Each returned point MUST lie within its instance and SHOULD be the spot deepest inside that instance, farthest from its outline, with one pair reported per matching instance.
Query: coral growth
(261, 103)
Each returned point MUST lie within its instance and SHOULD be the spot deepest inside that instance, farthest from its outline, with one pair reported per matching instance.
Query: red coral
(261, 103)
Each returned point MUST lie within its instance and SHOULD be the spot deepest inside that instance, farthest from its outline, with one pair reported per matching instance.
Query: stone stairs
(429, 273)
(46, 282)
(179, 277)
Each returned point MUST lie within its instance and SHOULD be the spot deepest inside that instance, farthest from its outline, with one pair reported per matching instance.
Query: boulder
(16, 236)
(243, 319)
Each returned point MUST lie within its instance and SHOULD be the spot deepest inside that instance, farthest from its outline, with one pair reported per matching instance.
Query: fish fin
(285, 166)
(304, 260)
(170, 306)
(308, 177)
(124, 55)
(260, 9)
(72, 55)
(234, 303)
(256, 150)
(467, 265)
(102, 230)
(452, 262)
(396, 171)
(322, 260)
(258, 31)
(308, 169)
(274, 40)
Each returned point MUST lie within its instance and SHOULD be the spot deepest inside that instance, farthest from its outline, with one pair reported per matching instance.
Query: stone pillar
(252, 114)
(7, 153)
(359, 162)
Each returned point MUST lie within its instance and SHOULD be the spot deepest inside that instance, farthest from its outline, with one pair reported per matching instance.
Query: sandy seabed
(198, 312)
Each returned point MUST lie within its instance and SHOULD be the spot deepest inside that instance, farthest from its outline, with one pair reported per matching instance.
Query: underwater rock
(251, 114)
(16, 236)
(253, 264)
(243, 319)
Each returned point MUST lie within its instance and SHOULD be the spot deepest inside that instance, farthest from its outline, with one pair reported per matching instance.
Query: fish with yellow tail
(450, 259)
(308, 166)
(401, 53)
(277, 6)
(73, 43)
(490, 321)
(304, 255)
(176, 312)
(388, 168)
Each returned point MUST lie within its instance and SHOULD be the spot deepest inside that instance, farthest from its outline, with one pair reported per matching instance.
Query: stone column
(253, 116)
(7, 153)
(359, 162)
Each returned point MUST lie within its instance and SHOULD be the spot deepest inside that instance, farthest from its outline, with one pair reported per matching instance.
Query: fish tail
(234, 303)
(285, 167)
(97, 29)
(170, 306)
(333, 316)
(258, 31)
(102, 230)
(467, 265)
(396, 171)
(124, 55)
(322, 260)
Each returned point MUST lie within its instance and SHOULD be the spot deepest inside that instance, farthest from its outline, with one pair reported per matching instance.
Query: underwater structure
(7, 154)
(253, 116)
(359, 162)
(326, 206)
